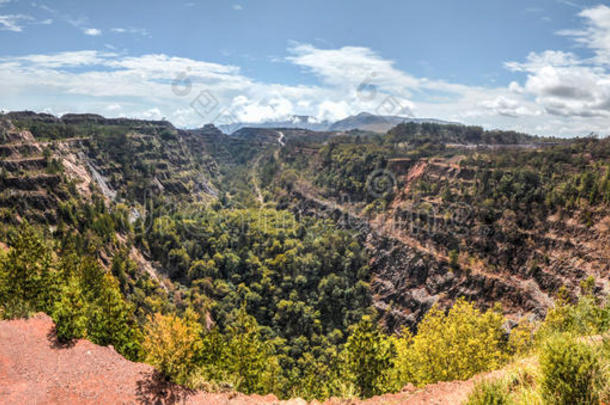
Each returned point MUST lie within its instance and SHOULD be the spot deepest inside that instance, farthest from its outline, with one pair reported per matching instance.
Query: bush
(172, 345)
(571, 373)
(457, 345)
(69, 312)
(489, 393)
(521, 339)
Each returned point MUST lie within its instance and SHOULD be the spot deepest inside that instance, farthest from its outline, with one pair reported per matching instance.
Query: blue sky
(538, 66)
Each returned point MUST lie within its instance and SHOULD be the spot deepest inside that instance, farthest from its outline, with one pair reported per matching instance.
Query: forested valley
(345, 263)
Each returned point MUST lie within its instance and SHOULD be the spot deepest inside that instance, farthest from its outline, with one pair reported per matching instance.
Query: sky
(537, 66)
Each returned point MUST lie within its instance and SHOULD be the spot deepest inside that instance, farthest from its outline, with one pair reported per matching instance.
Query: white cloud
(562, 93)
(13, 22)
(565, 84)
(536, 61)
(92, 32)
(191, 92)
(508, 107)
(151, 114)
(350, 66)
(596, 34)
(113, 107)
(130, 30)
(237, 7)
(60, 60)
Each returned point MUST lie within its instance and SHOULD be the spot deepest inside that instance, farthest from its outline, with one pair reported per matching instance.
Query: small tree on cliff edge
(367, 357)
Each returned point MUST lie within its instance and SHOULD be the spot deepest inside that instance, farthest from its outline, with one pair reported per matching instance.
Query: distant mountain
(377, 123)
(363, 121)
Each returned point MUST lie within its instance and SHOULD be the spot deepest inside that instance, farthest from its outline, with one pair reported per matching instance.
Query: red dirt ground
(36, 369)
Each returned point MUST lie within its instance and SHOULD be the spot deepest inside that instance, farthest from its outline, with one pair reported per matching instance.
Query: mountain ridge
(362, 121)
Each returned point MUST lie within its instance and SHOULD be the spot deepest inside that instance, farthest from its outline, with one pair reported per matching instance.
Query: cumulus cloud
(508, 107)
(191, 92)
(536, 61)
(596, 34)
(565, 84)
(92, 32)
(349, 66)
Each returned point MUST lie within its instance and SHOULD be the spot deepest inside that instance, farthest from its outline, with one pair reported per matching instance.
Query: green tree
(457, 345)
(30, 280)
(248, 355)
(110, 320)
(69, 312)
(367, 356)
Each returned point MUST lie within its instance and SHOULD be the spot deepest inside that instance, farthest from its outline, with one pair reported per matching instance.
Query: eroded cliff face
(408, 277)
(124, 160)
(427, 251)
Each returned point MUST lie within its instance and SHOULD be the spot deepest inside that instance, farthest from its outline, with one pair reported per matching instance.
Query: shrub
(571, 373)
(521, 338)
(489, 393)
(457, 345)
(172, 345)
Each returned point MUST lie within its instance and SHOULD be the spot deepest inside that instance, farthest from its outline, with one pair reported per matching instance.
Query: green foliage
(69, 312)
(489, 393)
(110, 320)
(74, 289)
(172, 345)
(187, 354)
(586, 317)
(367, 358)
(27, 273)
(571, 372)
(267, 301)
(248, 355)
(521, 339)
(304, 282)
(345, 168)
(418, 134)
(456, 345)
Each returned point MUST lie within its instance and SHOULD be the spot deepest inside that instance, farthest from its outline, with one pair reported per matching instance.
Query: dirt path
(281, 138)
(257, 189)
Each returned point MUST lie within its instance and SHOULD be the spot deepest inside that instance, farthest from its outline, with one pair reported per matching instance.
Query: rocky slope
(503, 252)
